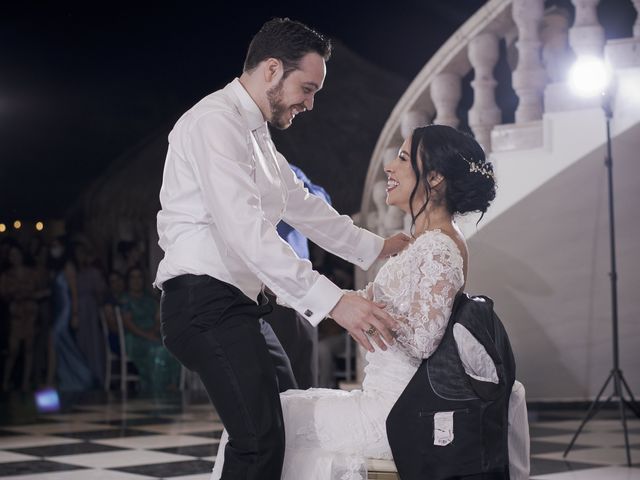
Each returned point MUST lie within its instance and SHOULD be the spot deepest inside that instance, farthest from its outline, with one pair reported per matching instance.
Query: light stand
(619, 383)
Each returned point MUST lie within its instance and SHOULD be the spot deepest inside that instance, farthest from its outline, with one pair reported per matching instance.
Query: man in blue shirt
(292, 341)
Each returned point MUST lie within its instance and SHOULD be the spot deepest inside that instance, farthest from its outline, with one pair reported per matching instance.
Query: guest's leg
(299, 339)
(328, 349)
(28, 364)
(306, 366)
(284, 372)
(14, 348)
(213, 329)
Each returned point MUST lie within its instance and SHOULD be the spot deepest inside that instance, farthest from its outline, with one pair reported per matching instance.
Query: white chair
(111, 357)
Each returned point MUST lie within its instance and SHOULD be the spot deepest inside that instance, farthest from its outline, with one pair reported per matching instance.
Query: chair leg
(123, 373)
(107, 376)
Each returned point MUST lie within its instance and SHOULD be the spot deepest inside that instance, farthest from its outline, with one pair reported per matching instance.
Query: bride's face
(401, 179)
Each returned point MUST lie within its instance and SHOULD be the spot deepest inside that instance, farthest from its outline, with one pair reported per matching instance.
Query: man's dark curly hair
(288, 41)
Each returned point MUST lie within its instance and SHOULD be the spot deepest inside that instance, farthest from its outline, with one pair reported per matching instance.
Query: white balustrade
(389, 154)
(446, 91)
(412, 119)
(586, 37)
(555, 43)
(484, 114)
(529, 78)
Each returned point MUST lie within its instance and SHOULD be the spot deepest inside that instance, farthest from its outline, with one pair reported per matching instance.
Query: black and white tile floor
(171, 439)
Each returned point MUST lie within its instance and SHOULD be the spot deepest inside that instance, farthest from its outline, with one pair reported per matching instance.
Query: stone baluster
(412, 119)
(586, 37)
(555, 43)
(446, 91)
(529, 77)
(636, 26)
(484, 114)
(388, 155)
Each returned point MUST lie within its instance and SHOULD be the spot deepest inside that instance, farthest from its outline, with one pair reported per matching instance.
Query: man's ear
(272, 70)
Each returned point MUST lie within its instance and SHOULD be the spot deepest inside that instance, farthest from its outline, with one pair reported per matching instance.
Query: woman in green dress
(158, 370)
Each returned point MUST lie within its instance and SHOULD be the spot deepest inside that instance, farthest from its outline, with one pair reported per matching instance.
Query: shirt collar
(248, 107)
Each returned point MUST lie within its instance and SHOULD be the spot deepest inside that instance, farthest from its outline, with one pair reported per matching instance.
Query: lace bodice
(418, 288)
(329, 433)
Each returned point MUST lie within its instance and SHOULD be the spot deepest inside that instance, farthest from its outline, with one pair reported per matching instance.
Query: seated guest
(140, 314)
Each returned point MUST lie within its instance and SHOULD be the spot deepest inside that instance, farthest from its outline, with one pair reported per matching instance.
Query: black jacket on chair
(480, 417)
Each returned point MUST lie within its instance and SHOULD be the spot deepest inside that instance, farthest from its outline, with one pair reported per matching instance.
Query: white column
(389, 154)
(586, 37)
(529, 78)
(636, 26)
(412, 119)
(555, 43)
(484, 114)
(446, 91)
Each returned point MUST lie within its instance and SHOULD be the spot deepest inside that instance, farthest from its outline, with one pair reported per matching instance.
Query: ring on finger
(371, 331)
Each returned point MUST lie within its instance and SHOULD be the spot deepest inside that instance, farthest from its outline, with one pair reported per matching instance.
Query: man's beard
(281, 116)
(278, 109)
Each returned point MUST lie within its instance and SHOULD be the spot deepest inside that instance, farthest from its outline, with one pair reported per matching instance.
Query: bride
(439, 172)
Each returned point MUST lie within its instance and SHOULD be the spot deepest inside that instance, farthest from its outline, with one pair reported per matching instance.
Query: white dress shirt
(225, 188)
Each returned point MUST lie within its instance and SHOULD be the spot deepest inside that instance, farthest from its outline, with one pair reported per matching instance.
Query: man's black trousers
(212, 328)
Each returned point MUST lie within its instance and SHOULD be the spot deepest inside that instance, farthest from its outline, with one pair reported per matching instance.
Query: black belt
(190, 280)
(185, 281)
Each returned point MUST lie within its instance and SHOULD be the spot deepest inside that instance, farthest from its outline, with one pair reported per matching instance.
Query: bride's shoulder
(440, 240)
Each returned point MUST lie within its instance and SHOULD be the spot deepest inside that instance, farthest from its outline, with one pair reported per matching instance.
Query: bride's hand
(395, 244)
(365, 321)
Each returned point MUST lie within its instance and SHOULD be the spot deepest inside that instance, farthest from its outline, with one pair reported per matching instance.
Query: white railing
(539, 43)
(552, 131)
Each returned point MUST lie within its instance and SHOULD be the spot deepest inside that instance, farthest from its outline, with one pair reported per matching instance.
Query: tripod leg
(590, 413)
(633, 404)
(623, 417)
(593, 409)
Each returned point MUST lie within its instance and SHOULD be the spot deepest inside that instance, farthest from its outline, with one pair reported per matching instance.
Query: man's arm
(223, 166)
(335, 233)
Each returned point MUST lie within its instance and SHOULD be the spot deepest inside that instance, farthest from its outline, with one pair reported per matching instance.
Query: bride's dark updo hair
(470, 184)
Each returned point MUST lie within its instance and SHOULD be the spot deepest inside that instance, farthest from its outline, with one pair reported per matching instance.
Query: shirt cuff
(319, 300)
(368, 249)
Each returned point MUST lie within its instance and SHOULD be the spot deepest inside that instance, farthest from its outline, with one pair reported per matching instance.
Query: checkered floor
(173, 438)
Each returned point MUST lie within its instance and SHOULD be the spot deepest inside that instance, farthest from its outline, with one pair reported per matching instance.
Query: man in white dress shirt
(224, 189)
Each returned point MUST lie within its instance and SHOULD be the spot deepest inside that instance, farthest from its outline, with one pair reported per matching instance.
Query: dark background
(81, 83)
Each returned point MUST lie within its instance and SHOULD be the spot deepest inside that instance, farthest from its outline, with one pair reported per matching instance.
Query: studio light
(589, 76)
(17, 224)
(39, 226)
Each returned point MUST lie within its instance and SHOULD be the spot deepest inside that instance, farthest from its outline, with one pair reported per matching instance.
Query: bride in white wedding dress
(439, 172)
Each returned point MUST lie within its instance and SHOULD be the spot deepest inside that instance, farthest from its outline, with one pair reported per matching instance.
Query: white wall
(543, 254)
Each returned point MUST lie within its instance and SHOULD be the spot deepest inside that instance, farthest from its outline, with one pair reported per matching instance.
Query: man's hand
(359, 315)
(395, 244)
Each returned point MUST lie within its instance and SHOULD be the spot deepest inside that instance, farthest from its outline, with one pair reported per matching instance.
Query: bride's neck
(432, 219)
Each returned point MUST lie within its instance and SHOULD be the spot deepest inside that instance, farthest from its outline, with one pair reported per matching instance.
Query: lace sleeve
(366, 292)
(434, 280)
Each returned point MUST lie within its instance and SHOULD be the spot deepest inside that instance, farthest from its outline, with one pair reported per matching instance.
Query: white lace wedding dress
(329, 433)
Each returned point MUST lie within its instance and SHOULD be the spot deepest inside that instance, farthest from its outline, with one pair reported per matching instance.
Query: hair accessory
(480, 167)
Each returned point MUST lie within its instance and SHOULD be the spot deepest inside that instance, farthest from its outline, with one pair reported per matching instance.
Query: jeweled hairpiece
(479, 167)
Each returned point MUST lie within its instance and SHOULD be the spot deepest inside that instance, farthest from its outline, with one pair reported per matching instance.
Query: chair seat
(381, 469)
